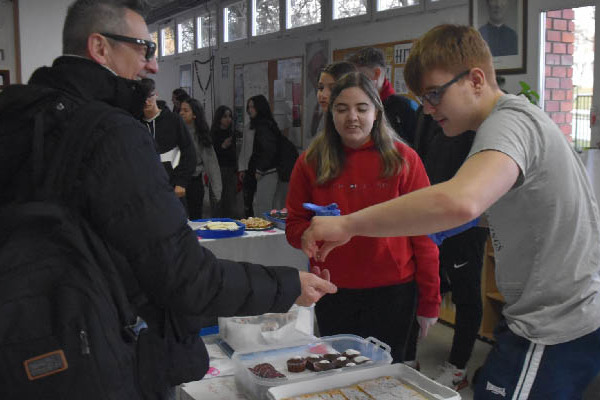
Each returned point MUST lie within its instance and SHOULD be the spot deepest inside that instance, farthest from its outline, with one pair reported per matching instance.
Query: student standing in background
(173, 141)
(207, 166)
(400, 111)
(223, 136)
(263, 160)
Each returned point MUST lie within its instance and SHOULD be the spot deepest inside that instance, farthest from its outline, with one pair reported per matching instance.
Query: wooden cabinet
(491, 298)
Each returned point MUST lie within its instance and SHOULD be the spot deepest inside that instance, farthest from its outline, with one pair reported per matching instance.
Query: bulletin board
(396, 54)
(281, 82)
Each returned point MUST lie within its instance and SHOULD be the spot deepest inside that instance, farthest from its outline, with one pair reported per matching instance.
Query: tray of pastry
(256, 372)
(217, 228)
(386, 382)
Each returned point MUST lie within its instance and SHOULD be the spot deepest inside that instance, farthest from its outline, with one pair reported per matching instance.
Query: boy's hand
(330, 230)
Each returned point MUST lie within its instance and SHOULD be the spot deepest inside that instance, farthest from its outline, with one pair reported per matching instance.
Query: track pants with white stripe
(518, 369)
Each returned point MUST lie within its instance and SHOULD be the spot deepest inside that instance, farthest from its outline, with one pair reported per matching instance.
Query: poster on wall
(287, 100)
(399, 83)
(317, 57)
(396, 54)
(256, 81)
(238, 97)
(185, 78)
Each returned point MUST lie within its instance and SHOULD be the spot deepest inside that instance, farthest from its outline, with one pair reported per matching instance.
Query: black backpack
(287, 156)
(67, 330)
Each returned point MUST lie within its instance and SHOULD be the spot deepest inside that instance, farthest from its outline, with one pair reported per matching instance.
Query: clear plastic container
(256, 387)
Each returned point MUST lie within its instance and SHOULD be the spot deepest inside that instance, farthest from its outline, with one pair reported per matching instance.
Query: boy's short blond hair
(452, 48)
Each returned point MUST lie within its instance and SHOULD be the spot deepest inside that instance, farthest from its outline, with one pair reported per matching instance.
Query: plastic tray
(419, 382)
(208, 234)
(256, 387)
(280, 223)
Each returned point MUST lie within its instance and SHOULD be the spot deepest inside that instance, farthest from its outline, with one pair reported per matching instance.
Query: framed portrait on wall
(503, 25)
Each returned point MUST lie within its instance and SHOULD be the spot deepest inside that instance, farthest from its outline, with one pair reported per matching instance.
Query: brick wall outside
(558, 93)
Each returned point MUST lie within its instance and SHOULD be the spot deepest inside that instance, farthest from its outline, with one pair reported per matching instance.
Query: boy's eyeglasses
(434, 96)
(150, 46)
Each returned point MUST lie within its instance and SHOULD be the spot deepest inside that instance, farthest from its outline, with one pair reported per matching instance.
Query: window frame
(222, 6)
(282, 14)
(318, 25)
(437, 5)
(395, 12)
(367, 17)
(199, 14)
(179, 21)
(169, 23)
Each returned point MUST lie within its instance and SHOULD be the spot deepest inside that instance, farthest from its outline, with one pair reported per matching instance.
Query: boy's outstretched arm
(479, 183)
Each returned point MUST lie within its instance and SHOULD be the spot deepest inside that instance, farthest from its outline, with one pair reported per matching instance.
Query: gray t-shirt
(545, 229)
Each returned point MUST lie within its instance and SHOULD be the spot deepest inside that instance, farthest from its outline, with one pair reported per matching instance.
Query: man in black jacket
(173, 141)
(399, 110)
(125, 194)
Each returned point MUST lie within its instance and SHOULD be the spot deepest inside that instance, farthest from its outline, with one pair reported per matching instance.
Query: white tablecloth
(260, 247)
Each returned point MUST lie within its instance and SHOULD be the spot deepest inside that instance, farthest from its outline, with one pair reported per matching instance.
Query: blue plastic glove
(439, 237)
(330, 210)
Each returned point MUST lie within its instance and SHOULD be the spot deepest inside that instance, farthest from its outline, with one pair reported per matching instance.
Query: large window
(154, 37)
(265, 17)
(349, 8)
(185, 36)
(235, 17)
(302, 13)
(207, 30)
(391, 4)
(167, 36)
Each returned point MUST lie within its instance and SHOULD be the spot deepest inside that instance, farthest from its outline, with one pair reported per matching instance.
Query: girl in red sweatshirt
(358, 161)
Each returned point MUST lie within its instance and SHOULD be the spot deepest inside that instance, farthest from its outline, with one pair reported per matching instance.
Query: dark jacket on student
(171, 135)
(227, 157)
(124, 192)
(399, 112)
(265, 147)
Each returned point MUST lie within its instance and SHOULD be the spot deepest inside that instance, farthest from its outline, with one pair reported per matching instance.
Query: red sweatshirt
(366, 262)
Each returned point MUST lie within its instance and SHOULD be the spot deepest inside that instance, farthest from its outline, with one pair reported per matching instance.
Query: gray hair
(85, 17)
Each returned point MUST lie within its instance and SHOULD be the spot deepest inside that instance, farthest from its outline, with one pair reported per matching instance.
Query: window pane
(235, 21)
(266, 17)
(185, 32)
(349, 8)
(154, 37)
(207, 30)
(168, 41)
(303, 12)
(390, 4)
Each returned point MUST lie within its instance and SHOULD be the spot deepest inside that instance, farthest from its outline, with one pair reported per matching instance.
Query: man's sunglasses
(434, 96)
(150, 46)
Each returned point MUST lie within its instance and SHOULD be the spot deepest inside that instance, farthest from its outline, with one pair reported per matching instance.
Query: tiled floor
(435, 348)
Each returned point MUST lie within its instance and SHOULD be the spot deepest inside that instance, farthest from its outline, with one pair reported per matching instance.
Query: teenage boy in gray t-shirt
(543, 217)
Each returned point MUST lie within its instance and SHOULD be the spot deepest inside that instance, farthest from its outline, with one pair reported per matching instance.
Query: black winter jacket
(169, 132)
(227, 157)
(265, 148)
(401, 117)
(124, 192)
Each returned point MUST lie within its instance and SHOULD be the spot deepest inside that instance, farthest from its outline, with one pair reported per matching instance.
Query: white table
(268, 247)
